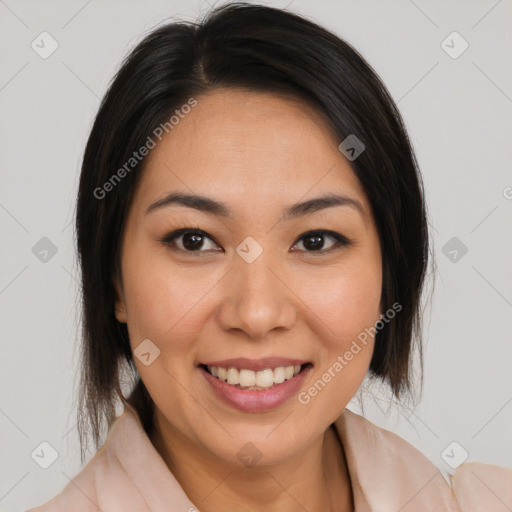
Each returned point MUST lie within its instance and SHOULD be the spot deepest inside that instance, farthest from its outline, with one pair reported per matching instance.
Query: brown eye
(188, 240)
(196, 240)
(192, 241)
(314, 241)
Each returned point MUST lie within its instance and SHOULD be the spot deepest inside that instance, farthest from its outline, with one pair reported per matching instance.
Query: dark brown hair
(257, 48)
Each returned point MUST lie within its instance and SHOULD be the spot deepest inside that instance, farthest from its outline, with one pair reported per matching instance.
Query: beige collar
(386, 472)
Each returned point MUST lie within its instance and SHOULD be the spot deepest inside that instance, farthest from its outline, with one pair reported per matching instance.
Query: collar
(386, 472)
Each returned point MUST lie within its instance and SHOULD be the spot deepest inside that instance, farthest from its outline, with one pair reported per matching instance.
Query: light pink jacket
(387, 474)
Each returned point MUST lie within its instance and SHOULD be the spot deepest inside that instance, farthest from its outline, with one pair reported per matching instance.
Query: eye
(188, 240)
(314, 241)
(193, 240)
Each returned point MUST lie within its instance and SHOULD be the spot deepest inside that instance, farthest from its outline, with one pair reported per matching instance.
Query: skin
(257, 153)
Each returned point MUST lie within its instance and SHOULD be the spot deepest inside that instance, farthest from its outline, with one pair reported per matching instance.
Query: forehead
(238, 145)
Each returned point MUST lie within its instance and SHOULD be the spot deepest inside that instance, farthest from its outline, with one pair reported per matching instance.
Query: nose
(257, 299)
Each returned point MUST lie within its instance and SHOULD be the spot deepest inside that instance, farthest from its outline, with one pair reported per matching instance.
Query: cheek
(349, 305)
(159, 301)
(159, 296)
(167, 302)
(346, 299)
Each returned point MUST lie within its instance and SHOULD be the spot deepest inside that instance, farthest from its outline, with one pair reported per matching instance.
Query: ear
(120, 306)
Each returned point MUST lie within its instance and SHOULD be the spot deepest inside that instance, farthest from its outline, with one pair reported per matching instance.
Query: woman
(253, 240)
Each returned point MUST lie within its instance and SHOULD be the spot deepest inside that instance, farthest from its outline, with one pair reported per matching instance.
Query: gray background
(457, 111)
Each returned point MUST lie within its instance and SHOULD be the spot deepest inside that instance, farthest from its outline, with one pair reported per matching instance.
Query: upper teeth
(249, 378)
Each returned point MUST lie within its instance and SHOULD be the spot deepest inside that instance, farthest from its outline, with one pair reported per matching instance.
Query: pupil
(315, 245)
(195, 244)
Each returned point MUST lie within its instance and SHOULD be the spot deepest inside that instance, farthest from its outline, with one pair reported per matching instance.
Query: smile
(254, 380)
(263, 388)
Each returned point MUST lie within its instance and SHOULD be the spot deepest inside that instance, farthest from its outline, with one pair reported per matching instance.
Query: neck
(314, 479)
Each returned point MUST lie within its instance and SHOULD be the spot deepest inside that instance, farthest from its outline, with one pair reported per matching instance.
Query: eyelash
(340, 240)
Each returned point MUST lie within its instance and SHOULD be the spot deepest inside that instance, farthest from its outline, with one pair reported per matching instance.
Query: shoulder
(484, 487)
(127, 473)
(85, 492)
(80, 493)
(386, 468)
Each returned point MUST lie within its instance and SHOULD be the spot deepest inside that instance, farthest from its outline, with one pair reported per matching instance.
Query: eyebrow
(208, 205)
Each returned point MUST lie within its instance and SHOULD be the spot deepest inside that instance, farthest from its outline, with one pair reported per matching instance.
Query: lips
(256, 400)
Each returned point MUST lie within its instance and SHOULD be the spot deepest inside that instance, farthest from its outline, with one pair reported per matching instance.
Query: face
(253, 279)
